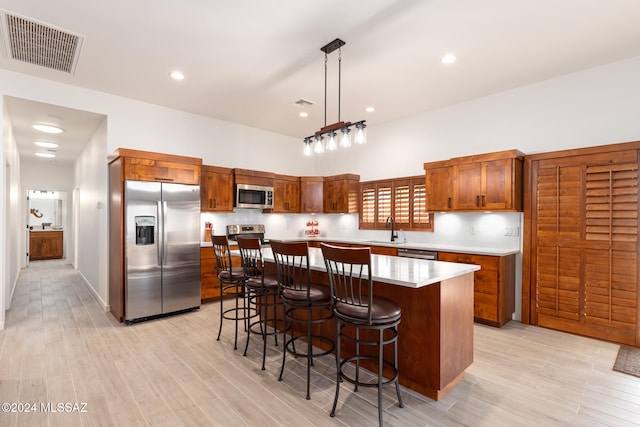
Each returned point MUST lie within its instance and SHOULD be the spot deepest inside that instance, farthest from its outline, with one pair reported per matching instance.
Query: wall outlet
(512, 231)
(472, 229)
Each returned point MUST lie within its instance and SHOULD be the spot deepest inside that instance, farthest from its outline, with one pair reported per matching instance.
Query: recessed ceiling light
(370, 109)
(46, 144)
(303, 114)
(47, 128)
(449, 58)
(177, 75)
(48, 155)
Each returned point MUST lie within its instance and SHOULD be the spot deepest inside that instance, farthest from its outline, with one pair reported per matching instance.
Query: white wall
(91, 181)
(11, 233)
(593, 107)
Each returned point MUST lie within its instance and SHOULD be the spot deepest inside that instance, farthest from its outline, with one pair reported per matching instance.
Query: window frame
(370, 218)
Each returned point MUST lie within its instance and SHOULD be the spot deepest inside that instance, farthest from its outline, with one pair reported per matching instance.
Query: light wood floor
(59, 347)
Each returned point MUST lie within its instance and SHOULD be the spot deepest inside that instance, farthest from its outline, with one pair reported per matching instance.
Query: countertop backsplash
(502, 230)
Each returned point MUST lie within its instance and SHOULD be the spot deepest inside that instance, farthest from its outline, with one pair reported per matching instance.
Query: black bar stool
(358, 310)
(231, 284)
(262, 293)
(305, 303)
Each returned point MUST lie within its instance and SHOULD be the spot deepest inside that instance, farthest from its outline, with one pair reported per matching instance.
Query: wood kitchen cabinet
(286, 194)
(581, 265)
(311, 191)
(45, 245)
(484, 182)
(251, 177)
(494, 286)
(438, 184)
(209, 282)
(147, 166)
(340, 194)
(216, 189)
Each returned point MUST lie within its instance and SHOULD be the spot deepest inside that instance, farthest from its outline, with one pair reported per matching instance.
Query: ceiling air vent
(303, 102)
(40, 44)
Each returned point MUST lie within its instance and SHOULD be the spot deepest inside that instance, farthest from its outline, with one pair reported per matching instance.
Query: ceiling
(249, 61)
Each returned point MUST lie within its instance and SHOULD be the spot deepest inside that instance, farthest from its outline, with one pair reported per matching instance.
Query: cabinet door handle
(210, 203)
(477, 201)
(484, 200)
(215, 205)
(449, 202)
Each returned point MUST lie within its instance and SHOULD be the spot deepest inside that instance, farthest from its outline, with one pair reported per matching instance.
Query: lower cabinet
(209, 283)
(45, 245)
(494, 286)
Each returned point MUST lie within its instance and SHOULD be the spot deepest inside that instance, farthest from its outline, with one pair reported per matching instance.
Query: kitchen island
(435, 343)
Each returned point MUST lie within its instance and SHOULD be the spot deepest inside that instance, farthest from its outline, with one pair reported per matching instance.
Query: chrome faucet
(391, 221)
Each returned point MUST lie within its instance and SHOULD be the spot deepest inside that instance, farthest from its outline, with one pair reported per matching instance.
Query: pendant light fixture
(338, 133)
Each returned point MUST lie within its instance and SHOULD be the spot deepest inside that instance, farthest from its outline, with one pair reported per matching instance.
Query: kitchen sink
(382, 242)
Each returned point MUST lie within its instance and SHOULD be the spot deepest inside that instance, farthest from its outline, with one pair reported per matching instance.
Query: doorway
(46, 224)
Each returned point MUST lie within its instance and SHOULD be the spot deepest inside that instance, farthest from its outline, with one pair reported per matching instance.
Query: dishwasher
(418, 253)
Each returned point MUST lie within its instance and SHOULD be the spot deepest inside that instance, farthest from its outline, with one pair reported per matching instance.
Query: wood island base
(435, 343)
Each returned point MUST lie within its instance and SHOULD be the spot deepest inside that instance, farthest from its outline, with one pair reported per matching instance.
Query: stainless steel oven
(245, 230)
(253, 196)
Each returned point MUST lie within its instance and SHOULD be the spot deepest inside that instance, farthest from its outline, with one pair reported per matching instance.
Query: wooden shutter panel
(384, 203)
(612, 203)
(402, 202)
(420, 216)
(368, 208)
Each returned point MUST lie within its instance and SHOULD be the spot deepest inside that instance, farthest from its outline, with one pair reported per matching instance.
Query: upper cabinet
(216, 190)
(485, 182)
(286, 194)
(341, 193)
(438, 184)
(251, 177)
(148, 166)
(311, 189)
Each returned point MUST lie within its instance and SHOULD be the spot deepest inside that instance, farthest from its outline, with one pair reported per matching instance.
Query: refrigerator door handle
(160, 225)
(165, 209)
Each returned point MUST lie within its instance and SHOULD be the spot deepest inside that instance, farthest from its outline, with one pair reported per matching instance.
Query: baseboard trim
(105, 306)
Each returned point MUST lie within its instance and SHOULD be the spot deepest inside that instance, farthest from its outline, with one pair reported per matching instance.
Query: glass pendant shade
(307, 146)
(345, 138)
(319, 147)
(361, 133)
(332, 145)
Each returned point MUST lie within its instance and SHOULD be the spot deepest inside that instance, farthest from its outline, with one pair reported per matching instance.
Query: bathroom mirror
(46, 209)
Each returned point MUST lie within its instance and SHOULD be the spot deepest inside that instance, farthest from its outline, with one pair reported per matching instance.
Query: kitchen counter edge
(475, 250)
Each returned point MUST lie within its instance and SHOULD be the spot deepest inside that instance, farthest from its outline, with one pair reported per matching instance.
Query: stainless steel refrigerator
(162, 249)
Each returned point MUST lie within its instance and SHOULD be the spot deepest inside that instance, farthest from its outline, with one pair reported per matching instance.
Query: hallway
(59, 347)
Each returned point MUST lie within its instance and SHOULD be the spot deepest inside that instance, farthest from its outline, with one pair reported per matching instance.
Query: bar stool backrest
(349, 271)
(251, 255)
(292, 265)
(223, 253)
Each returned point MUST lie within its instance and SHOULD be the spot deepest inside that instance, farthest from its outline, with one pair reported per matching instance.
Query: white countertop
(409, 272)
(476, 250)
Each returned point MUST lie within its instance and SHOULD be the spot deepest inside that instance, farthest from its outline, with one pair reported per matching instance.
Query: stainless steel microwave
(253, 196)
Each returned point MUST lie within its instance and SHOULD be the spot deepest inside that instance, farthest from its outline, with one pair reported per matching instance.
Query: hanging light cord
(339, 78)
(325, 89)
